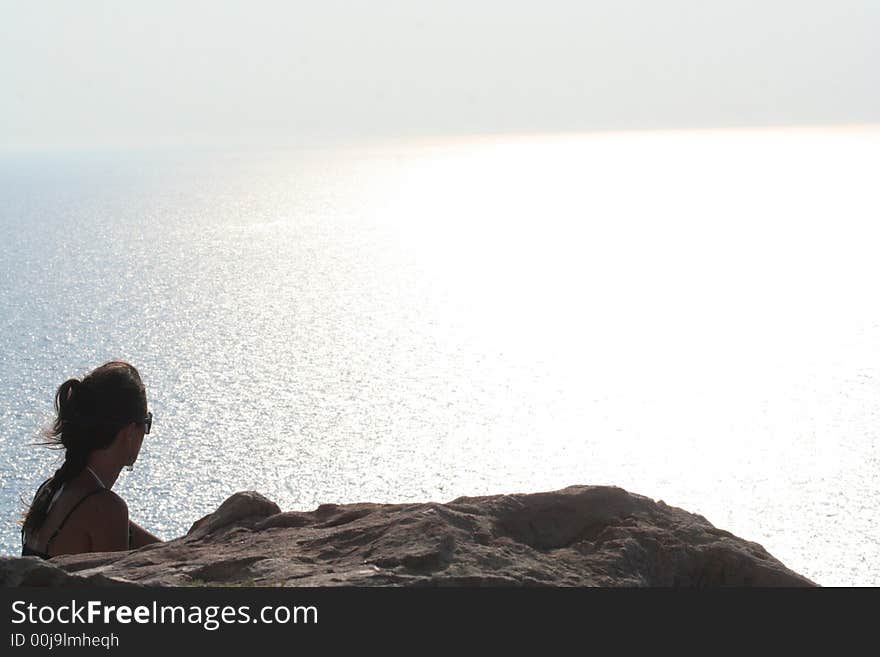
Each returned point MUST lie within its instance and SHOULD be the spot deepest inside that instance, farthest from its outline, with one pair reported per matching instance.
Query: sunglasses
(148, 422)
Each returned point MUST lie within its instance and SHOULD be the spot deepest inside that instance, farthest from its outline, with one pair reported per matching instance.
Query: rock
(33, 571)
(578, 536)
(242, 509)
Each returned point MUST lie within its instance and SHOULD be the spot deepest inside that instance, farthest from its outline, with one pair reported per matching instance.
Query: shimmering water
(691, 316)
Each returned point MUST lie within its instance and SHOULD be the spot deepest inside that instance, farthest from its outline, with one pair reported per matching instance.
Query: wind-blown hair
(88, 416)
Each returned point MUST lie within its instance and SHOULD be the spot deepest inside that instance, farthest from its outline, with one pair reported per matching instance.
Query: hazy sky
(91, 73)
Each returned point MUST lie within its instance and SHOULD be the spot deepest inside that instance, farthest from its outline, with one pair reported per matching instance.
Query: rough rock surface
(578, 536)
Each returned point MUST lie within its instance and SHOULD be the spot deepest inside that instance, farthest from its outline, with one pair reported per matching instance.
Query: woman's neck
(105, 471)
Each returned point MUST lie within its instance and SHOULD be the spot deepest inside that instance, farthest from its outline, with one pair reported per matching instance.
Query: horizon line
(324, 142)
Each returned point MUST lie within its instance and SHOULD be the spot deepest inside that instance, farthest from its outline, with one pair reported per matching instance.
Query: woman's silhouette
(100, 422)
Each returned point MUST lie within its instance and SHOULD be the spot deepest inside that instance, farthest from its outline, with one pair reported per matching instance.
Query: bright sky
(91, 73)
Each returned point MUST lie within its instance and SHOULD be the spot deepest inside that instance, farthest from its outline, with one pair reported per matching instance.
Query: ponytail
(75, 460)
(65, 404)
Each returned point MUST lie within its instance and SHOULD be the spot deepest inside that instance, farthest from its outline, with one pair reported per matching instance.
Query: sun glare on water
(688, 315)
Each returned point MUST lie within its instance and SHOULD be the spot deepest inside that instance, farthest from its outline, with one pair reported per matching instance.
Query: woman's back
(77, 519)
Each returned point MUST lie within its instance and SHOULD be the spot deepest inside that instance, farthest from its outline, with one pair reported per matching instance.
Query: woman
(101, 422)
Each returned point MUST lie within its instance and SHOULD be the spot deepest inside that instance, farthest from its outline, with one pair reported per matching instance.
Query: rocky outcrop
(578, 536)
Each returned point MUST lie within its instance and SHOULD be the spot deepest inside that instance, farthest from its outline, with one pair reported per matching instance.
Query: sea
(691, 315)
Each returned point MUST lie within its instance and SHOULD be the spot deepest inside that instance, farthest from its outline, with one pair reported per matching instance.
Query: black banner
(134, 621)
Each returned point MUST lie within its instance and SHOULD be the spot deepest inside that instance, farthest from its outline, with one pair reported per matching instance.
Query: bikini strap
(96, 477)
(69, 513)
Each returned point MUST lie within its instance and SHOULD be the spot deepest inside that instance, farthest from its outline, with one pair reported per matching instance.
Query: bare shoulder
(107, 522)
(108, 504)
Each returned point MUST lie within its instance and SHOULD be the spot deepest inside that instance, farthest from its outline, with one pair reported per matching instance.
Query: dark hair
(88, 416)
